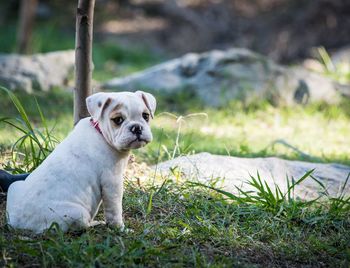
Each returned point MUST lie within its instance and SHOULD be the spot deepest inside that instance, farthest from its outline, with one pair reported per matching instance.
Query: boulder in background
(217, 77)
(36, 72)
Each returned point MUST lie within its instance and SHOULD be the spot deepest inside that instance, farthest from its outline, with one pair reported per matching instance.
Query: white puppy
(86, 168)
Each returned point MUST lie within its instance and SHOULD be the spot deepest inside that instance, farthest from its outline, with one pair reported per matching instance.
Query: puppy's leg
(112, 196)
(13, 205)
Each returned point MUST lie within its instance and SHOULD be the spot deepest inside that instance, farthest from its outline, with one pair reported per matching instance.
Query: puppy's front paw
(119, 225)
(96, 223)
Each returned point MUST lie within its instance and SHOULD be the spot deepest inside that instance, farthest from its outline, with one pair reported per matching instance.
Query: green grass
(176, 223)
(258, 131)
(189, 226)
(34, 145)
(319, 131)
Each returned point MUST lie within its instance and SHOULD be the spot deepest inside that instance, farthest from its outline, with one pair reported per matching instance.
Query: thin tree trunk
(83, 57)
(25, 24)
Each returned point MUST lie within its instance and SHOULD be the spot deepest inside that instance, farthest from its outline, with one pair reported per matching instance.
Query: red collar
(96, 126)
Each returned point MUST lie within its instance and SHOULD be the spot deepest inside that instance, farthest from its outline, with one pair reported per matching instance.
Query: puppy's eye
(145, 116)
(118, 120)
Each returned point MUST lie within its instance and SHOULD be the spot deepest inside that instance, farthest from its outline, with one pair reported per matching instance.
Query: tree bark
(83, 57)
(25, 24)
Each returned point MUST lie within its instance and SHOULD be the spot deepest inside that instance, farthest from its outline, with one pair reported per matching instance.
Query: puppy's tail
(6, 179)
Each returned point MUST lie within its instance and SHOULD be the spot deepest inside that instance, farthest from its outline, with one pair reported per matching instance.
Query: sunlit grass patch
(319, 131)
(56, 108)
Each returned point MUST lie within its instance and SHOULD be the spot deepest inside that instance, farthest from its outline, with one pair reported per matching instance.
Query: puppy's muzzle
(136, 129)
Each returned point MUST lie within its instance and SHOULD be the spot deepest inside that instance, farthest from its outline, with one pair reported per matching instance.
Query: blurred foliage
(337, 71)
(110, 59)
(285, 30)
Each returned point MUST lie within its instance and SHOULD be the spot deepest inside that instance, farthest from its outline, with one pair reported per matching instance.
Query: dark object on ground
(6, 179)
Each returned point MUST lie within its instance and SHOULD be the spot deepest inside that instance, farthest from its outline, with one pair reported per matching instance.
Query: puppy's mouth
(137, 143)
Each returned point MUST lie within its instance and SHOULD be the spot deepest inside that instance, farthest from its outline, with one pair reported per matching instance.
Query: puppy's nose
(136, 129)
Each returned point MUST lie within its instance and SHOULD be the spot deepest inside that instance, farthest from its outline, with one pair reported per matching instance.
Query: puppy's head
(123, 117)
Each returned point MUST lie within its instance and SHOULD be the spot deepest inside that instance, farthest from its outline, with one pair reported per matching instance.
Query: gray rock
(341, 55)
(234, 171)
(36, 72)
(219, 76)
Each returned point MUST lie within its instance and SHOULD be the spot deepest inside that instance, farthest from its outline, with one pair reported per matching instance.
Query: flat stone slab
(233, 172)
(36, 72)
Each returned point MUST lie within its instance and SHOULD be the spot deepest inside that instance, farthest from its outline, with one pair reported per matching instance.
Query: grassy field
(178, 225)
(190, 227)
(175, 223)
(319, 131)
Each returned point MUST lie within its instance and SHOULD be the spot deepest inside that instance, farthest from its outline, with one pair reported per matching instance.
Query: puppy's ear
(149, 100)
(97, 103)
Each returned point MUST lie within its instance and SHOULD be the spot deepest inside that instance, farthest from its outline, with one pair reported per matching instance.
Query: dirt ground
(2, 208)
